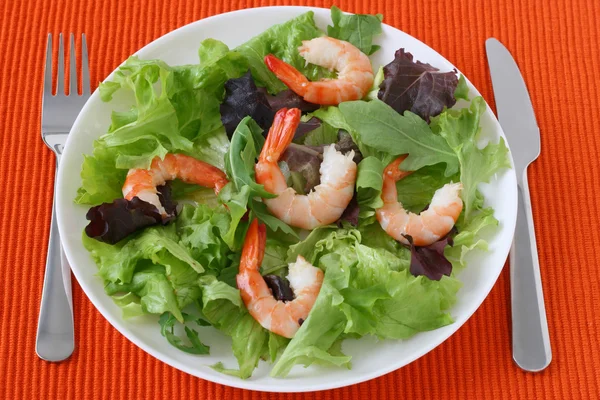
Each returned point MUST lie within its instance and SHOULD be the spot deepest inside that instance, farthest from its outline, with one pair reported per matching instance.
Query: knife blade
(530, 336)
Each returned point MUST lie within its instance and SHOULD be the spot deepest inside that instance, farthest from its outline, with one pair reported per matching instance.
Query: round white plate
(370, 357)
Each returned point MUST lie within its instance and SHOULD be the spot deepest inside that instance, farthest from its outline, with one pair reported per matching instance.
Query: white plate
(371, 358)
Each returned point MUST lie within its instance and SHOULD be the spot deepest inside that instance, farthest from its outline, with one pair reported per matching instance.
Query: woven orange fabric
(556, 47)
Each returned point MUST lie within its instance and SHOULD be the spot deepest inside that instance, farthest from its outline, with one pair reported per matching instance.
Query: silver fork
(55, 335)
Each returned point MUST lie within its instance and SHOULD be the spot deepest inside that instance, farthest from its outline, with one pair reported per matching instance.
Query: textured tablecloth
(557, 47)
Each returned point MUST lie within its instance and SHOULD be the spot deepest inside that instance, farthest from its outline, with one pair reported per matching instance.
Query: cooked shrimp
(282, 318)
(354, 78)
(328, 200)
(142, 183)
(424, 228)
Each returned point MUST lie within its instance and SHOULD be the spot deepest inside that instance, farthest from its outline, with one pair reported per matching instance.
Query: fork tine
(60, 79)
(48, 68)
(85, 71)
(72, 67)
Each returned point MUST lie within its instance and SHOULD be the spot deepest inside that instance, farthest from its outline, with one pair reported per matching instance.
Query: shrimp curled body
(424, 228)
(282, 318)
(354, 71)
(142, 183)
(327, 201)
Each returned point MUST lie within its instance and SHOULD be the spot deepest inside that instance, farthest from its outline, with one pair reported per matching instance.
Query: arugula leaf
(382, 128)
(334, 117)
(358, 29)
(416, 190)
(259, 210)
(246, 143)
(321, 135)
(369, 183)
(167, 328)
(236, 203)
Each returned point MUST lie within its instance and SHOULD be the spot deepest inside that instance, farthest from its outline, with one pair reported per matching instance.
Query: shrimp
(354, 78)
(142, 183)
(328, 200)
(424, 228)
(282, 318)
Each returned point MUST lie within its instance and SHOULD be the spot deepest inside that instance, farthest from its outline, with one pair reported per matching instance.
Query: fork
(55, 339)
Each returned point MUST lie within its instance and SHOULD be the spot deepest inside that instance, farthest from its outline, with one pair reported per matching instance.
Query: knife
(530, 337)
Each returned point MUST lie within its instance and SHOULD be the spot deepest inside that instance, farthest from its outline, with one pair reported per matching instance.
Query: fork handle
(55, 335)
(531, 341)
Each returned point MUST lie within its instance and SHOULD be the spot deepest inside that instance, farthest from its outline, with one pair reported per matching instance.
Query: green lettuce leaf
(318, 332)
(117, 262)
(462, 89)
(222, 306)
(469, 238)
(460, 128)
(101, 182)
(176, 109)
(358, 29)
(366, 291)
(282, 41)
(200, 230)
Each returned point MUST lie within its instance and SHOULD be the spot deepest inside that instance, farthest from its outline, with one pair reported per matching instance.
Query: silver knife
(531, 341)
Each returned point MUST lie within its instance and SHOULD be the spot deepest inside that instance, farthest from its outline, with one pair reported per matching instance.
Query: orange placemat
(557, 48)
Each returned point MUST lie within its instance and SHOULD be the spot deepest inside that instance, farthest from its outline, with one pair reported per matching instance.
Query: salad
(287, 194)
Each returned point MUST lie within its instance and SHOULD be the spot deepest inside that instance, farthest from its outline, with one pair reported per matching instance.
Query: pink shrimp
(142, 183)
(328, 200)
(282, 318)
(424, 228)
(354, 78)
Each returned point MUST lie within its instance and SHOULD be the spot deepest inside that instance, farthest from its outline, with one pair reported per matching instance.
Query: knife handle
(531, 340)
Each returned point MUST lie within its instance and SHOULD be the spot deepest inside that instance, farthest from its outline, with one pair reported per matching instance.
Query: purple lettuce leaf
(243, 98)
(430, 260)
(417, 87)
(306, 127)
(289, 99)
(113, 222)
(280, 287)
(306, 161)
(345, 144)
(350, 214)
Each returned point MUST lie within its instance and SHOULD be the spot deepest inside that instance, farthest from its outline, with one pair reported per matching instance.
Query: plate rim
(119, 323)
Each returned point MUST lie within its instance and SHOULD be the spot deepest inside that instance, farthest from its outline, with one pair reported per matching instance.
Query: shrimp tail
(392, 174)
(393, 169)
(280, 135)
(289, 75)
(254, 247)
